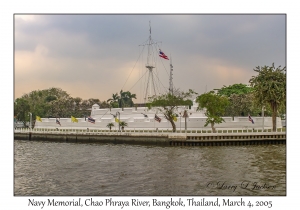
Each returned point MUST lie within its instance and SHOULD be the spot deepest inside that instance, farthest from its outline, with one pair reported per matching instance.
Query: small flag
(91, 120)
(38, 118)
(162, 55)
(73, 119)
(174, 118)
(57, 122)
(157, 118)
(250, 119)
(117, 120)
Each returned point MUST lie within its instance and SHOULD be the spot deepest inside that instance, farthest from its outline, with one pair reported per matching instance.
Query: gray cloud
(92, 55)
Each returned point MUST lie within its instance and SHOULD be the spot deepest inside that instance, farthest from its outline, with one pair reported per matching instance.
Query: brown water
(48, 168)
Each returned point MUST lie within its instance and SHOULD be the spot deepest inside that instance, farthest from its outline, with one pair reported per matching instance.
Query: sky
(96, 55)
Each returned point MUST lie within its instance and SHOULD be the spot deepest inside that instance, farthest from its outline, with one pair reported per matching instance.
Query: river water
(66, 169)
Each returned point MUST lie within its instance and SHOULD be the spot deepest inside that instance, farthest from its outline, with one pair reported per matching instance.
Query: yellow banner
(38, 118)
(73, 119)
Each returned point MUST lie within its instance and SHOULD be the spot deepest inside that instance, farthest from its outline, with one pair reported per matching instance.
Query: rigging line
(160, 81)
(153, 84)
(104, 113)
(138, 80)
(133, 68)
(156, 85)
(160, 86)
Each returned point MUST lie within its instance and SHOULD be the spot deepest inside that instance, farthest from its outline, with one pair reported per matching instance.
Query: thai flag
(157, 118)
(57, 122)
(162, 55)
(91, 120)
(250, 119)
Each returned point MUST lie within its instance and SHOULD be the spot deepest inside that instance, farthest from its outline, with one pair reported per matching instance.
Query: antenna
(171, 77)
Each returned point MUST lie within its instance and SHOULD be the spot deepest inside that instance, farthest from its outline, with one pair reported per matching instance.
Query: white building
(140, 118)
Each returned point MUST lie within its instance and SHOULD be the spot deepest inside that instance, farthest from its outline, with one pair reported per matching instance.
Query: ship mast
(150, 67)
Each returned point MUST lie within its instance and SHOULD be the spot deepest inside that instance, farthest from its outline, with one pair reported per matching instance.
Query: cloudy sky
(94, 56)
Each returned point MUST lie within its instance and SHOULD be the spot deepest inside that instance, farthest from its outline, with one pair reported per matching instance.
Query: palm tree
(123, 124)
(125, 99)
(109, 125)
(114, 101)
(129, 98)
(122, 99)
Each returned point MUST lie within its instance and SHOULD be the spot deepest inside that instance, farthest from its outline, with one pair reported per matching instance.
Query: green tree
(214, 106)
(168, 103)
(270, 88)
(241, 105)
(114, 101)
(21, 110)
(128, 99)
(237, 89)
(104, 105)
(241, 100)
(125, 99)
(123, 124)
(109, 125)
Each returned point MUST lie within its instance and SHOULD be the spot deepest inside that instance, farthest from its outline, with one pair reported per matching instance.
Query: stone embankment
(155, 138)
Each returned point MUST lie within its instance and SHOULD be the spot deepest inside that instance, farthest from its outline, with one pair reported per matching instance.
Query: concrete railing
(143, 132)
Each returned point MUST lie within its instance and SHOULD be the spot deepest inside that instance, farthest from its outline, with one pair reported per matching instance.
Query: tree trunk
(213, 128)
(173, 126)
(274, 115)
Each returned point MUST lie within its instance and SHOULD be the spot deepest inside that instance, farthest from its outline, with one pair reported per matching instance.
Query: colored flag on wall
(73, 119)
(174, 118)
(162, 55)
(117, 120)
(38, 118)
(91, 120)
(250, 119)
(57, 122)
(157, 118)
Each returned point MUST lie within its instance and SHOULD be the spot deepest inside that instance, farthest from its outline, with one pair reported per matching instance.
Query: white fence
(142, 131)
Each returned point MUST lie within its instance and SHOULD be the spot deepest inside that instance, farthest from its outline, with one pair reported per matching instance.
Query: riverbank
(155, 138)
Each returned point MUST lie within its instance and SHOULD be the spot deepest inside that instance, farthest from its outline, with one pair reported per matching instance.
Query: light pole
(180, 121)
(185, 115)
(30, 119)
(115, 116)
(263, 115)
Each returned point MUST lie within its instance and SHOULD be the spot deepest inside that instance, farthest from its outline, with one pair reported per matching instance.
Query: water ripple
(49, 168)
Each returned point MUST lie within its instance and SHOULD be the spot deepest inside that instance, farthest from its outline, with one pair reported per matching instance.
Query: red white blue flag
(162, 55)
(157, 118)
(91, 120)
(250, 119)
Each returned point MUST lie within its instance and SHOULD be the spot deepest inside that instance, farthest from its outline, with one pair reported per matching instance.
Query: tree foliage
(241, 100)
(270, 88)
(109, 125)
(123, 124)
(214, 106)
(52, 102)
(122, 100)
(21, 107)
(167, 104)
(237, 89)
